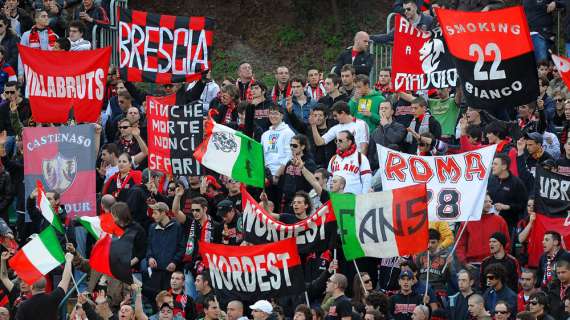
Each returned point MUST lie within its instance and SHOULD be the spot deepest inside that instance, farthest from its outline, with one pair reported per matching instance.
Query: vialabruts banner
(174, 132)
(163, 49)
(254, 272)
(63, 159)
(456, 184)
(493, 54)
(58, 82)
(420, 59)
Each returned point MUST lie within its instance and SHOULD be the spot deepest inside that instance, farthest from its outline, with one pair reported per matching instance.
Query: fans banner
(63, 159)
(420, 59)
(383, 224)
(456, 184)
(551, 193)
(544, 223)
(162, 48)
(563, 66)
(315, 234)
(256, 272)
(174, 132)
(493, 54)
(60, 81)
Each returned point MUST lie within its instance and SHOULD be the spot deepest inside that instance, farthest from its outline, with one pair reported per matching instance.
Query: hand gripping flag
(46, 209)
(38, 257)
(383, 224)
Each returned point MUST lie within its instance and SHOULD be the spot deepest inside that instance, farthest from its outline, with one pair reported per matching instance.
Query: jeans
(81, 243)
(541, 46)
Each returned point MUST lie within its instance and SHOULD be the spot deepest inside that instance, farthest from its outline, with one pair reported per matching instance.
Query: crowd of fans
(319, 134)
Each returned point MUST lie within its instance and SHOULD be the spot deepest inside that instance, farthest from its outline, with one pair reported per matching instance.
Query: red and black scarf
(34, 38)
(277, 94)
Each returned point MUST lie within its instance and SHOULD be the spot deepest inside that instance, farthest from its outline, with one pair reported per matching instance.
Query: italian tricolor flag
(38, 257)
(231, 153)
(383, 224)
(100, 225)
(46, 209)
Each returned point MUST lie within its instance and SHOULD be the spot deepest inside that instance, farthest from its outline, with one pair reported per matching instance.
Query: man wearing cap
(527, 161)
(405, 301)
(341, 307)
(165, 246)
(497, 244)
(232, 232)
(261, 310)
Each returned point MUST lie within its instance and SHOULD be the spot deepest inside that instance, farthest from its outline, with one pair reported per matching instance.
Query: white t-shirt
(358, 128)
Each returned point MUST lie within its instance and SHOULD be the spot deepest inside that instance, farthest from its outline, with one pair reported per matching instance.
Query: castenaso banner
(383, 224)
(174, 132)
(38, 257)
(256, 272)
(60, 81)
(163, 49)
(231, 153)
(315, 234)
(420, 59)
(44, 205)
(493, 54)
(100, 226)
(563, 66)
(456, 184)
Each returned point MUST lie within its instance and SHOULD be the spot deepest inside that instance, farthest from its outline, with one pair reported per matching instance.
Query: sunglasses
(534, 303)
(171, 189)
(408, 9)
(195, 210)
(367, 281)
(501, 312)
(340, 141)
(491, 277)
(9, 92)
(559, 100)
(292, 145)
(423, 144)
(124, 127)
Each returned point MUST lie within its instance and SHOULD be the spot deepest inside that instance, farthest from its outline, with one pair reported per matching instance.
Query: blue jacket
(301, 111)
(165, 244)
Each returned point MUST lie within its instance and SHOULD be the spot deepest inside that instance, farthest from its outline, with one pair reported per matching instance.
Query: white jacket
(276, 149)
(80, 45)
(355, 171)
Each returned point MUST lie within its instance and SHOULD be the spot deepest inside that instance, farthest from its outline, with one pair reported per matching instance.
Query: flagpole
(74, 282)
(427, 275)
(359, 276)
(455, 245)
(307, 298)
(334, 258)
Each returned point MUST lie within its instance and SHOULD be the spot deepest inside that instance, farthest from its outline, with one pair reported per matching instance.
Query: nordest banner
(493, 55)
(58, 81)
(174, 132)
(63, 159)
(456, 184)
(162, 48)
(420, 59)
(254, 272)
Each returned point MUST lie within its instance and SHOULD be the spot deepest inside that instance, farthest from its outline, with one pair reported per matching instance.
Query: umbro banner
(60, 81)
(174, 132)
(551, 193)
(456, 184)
(315, 234)
(254, 272)
(420, 59)
(162, 48)
(63, 159)
(493, 54)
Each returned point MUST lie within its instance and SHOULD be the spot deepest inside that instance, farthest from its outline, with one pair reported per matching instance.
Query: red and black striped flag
(493, 55)
(112, 256)
(162, 48)
(256, 272)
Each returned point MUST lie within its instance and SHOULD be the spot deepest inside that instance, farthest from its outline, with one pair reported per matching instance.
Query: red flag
(59, 81)
(563, 65)
(541, 225)
(112, 256)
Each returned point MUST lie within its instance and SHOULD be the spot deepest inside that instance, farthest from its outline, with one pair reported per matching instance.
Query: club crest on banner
(224, 141)
(59, 172)
(430, 54)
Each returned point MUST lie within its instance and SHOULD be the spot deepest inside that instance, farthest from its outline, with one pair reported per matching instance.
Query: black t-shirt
(41, 306)
(341, 307)
(289, 218)
(403, 305)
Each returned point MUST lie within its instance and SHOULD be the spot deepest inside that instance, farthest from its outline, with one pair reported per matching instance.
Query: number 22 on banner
(447, 203)
(490, 49)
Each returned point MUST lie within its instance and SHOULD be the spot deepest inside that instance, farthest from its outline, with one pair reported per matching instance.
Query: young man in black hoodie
(405, 301)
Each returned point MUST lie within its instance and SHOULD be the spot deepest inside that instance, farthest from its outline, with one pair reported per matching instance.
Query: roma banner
(544, 223)
(174, 132)
(162, 48)
(383, 224)
(420, 59)
(551, 193)
(256, 272)
(456, 184)
(493, 54)
(63, 159)
(60, 81)
(315, 234)
(563, 65)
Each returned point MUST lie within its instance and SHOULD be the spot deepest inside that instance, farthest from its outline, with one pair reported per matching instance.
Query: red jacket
(473, 245)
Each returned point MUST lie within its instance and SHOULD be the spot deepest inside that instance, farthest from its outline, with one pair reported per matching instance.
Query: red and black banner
(542, 224)
(112, 256)
(315, 234)
(60, 81)
(256, 272)
(493, 54)
(162, 48)
(420, 59)
(63, 159)
(174, 132)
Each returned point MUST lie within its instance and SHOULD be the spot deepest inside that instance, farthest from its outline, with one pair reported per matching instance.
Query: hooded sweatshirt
(276, 149)
(370, 102)
(80, 45)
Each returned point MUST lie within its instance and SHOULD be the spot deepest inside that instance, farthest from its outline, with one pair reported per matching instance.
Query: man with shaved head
(356, 55)
(477, 308)
(235, 310)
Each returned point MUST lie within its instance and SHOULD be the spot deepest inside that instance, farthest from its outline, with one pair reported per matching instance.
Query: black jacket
(362, 63)
(9, 42)
(137, 201)
(6, 193)
(512, 192)
(538, 19)
(393, 133)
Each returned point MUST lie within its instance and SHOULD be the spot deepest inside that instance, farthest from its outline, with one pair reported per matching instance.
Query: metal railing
(63, 305)
(105, 36)
(382, 53)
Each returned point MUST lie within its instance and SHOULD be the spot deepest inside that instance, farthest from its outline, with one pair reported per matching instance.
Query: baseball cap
(224, 206)
(161, 206)
(262, 305)
(406, 273)
(535, 136)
